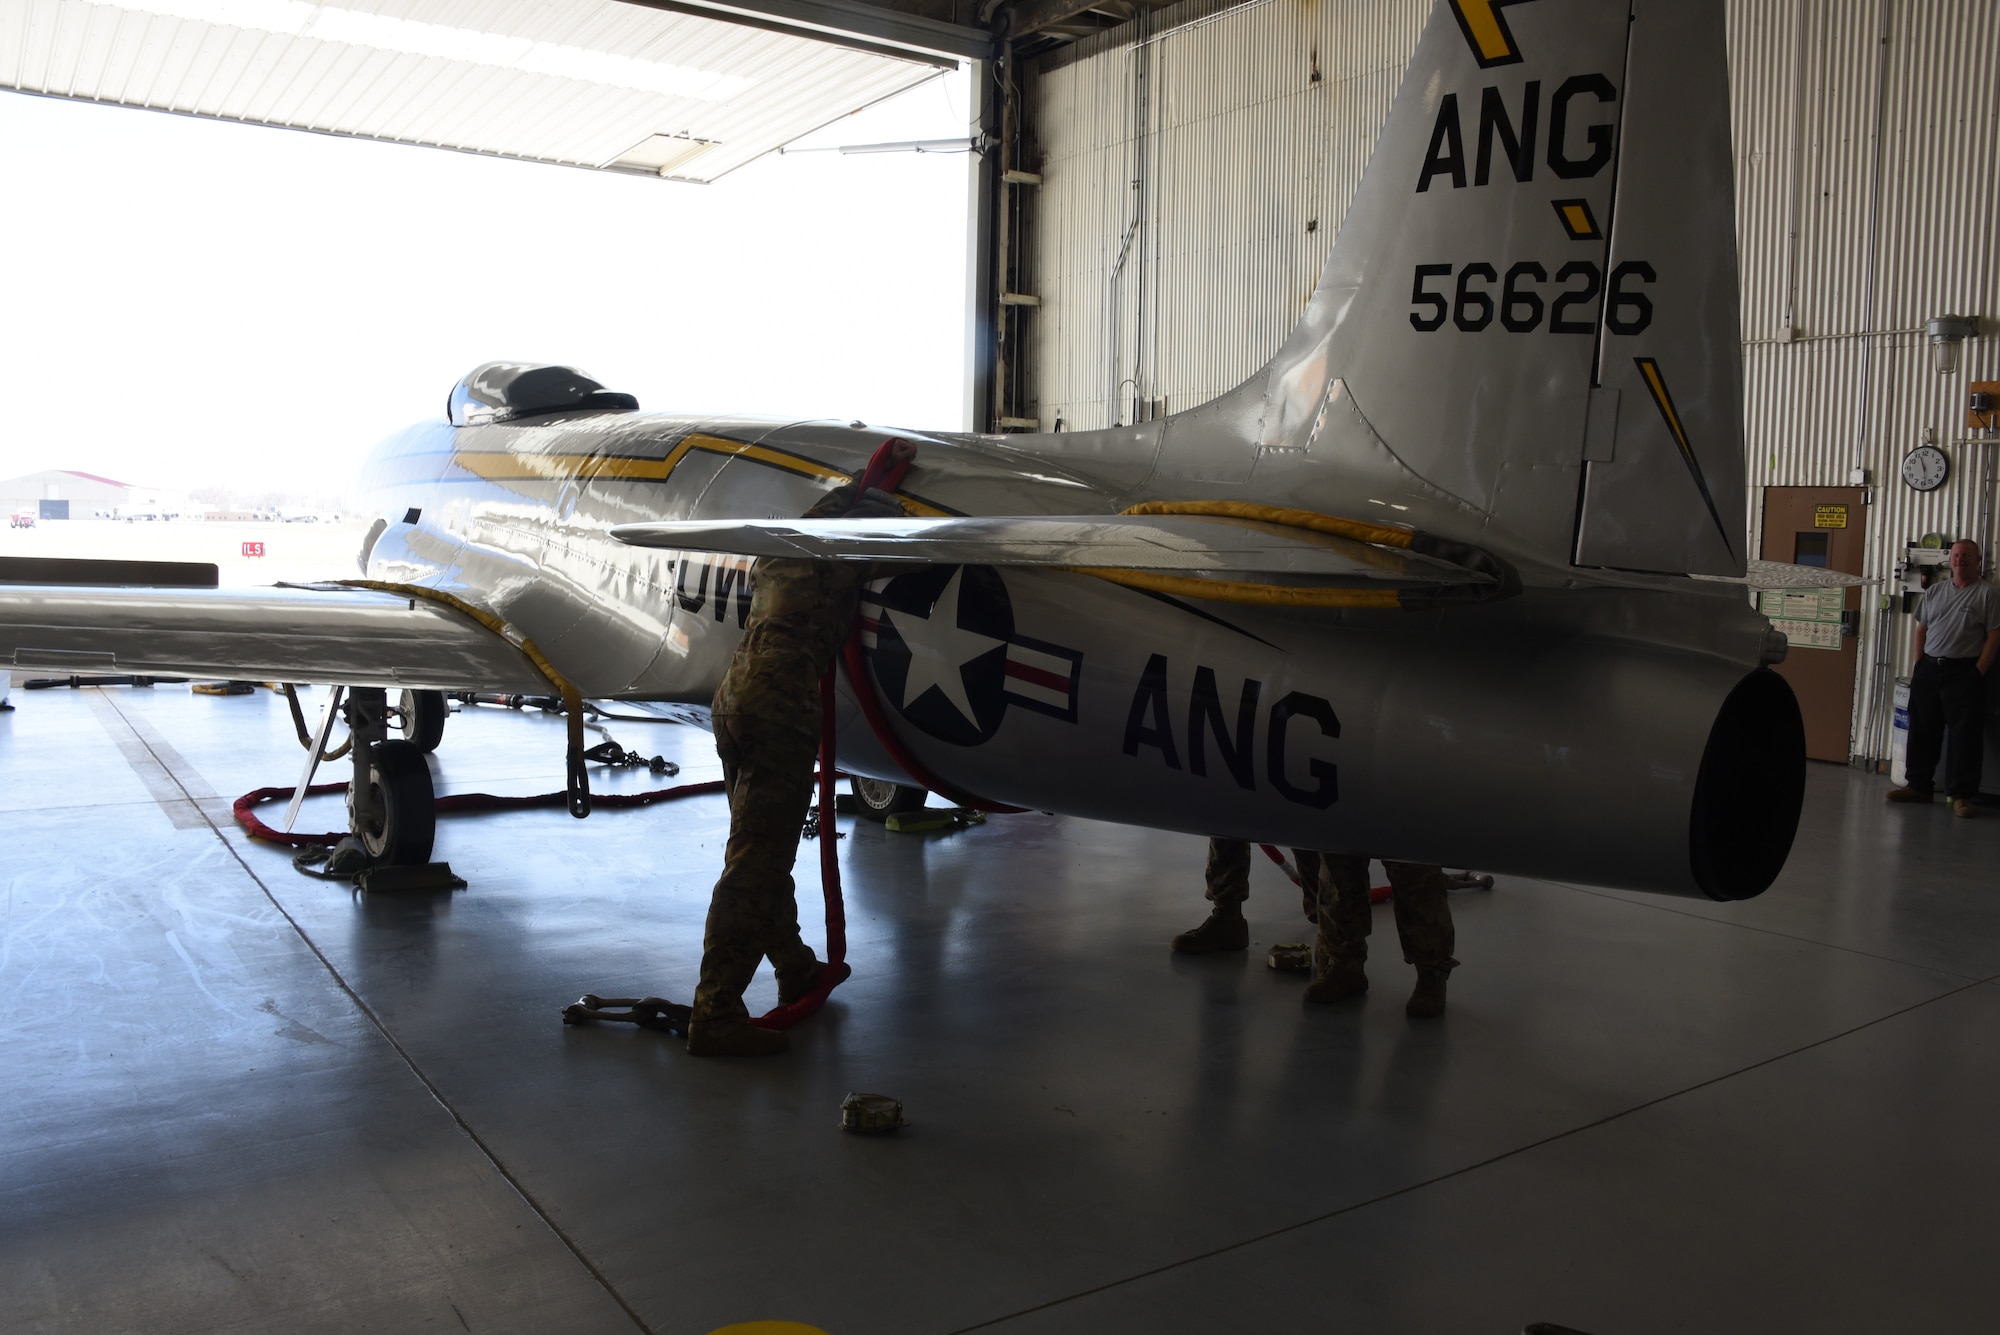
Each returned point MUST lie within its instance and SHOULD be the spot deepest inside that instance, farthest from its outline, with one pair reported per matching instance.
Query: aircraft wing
(1117, 542)
(297, 633)
(1783, 575)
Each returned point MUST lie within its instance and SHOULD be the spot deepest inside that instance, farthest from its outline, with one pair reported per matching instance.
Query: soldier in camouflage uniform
(767, 728)
(1228, 885)
(1423, 921)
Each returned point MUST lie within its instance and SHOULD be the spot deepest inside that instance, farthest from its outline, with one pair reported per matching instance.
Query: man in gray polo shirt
(1958, 637)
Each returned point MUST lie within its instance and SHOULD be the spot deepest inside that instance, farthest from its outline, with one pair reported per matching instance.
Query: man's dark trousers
(1948, 712)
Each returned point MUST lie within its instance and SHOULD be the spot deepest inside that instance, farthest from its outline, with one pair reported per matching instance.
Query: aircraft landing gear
(391, 805)
(879, 799)
(420, 716)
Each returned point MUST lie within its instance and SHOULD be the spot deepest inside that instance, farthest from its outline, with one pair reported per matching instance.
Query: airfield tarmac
(298, 552)
(242, 1100)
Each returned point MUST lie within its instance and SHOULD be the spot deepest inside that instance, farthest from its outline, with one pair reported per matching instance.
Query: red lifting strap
(1377, 894)
(886, 467)
(245, 807)
(833, 971)
(885, 471)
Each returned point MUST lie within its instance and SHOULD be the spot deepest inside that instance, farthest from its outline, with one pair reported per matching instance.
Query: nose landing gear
(391, 804)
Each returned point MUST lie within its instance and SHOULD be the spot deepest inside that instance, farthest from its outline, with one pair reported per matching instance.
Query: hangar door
(1817, 526)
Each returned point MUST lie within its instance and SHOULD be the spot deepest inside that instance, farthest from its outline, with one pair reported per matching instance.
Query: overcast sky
(192, 302)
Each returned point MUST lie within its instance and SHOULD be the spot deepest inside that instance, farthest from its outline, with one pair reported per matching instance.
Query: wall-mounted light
(1946, 333)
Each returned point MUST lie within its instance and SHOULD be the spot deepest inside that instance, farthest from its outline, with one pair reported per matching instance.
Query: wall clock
(1926, 467)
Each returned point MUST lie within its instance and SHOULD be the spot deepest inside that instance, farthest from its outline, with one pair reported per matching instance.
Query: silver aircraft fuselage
(1559, 733)
(1523, 349)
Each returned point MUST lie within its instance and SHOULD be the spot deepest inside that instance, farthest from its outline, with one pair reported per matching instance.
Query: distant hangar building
(64, 493)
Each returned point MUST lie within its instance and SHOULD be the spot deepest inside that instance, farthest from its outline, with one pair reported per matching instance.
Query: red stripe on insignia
(1037, 677)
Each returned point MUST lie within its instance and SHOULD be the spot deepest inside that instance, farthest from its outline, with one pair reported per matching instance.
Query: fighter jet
(1456, 578)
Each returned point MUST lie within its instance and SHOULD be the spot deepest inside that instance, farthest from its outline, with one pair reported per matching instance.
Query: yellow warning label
(1829, 516)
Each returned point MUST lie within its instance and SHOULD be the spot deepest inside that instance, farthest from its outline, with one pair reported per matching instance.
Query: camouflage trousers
(1423, 915)
(754, 915)
(1228, 872)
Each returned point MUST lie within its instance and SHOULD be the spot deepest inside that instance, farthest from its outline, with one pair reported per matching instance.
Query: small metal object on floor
(609, 752)
(870, 1114)
(1469, 880)
(1291, 957)
(811, 830)
(646, 1012)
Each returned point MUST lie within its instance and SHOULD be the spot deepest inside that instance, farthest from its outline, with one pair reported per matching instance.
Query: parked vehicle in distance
(21, 519)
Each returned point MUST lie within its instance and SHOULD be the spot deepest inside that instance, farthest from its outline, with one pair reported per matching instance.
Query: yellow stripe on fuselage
(507, 466)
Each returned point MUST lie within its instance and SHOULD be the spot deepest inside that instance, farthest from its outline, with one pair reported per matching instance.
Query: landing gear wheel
(878, 799)
(401, 832)
(421, 718)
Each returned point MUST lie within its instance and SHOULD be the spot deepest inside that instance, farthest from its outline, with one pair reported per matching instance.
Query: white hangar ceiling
(681, 90)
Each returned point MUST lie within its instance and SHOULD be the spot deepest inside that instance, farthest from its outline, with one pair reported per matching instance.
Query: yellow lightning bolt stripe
(1489, 39)
(1649, 370)
(1486, 30)
(505, 466)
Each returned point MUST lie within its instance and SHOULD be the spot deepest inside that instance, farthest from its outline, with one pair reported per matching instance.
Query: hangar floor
(241, 1100)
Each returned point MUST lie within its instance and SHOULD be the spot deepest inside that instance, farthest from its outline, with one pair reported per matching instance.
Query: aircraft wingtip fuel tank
(1420, 588)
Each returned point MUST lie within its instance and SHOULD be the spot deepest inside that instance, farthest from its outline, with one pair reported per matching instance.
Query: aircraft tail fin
(1529, 322)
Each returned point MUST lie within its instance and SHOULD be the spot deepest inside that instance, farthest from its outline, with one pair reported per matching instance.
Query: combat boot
(1428, 998)
(1910, 795)
(794, 985)
(734, 1038)
(1224, 930)
(1337, 982)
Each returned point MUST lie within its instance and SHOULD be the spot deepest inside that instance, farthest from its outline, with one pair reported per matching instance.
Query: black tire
(421, 718)
(879, 799)
(408, 826)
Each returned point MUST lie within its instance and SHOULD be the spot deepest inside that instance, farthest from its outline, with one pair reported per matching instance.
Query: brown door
(1822, 526)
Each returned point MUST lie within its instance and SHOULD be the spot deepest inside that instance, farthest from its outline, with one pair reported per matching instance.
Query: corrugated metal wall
(1193, 182)
(1198, 163)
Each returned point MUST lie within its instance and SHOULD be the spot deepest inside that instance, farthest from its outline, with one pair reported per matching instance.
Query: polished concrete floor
(237, 1099)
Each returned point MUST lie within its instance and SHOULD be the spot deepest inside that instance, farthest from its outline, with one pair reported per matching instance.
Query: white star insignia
(940, 649)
